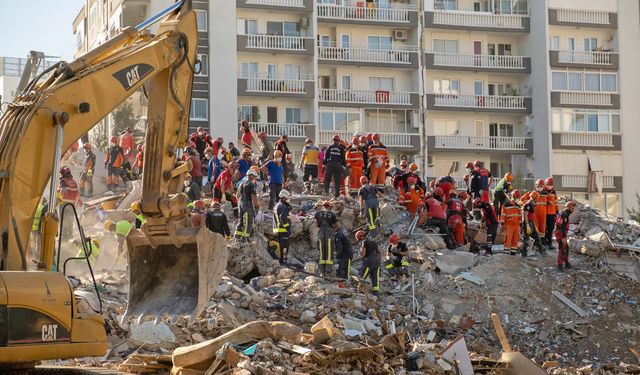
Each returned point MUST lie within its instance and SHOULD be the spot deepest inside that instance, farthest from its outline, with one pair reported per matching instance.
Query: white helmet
(285, 194)
(253, 173)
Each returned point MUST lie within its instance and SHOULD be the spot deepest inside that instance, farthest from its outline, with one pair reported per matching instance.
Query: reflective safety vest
(355, 157)
(123, 227)
(378, 155)
(141, 218)
(280, 226)
(542, 201)
(95, 252)
(552, 202)
(36, 219)
(436, 209)
(69, 190)
(511, 214)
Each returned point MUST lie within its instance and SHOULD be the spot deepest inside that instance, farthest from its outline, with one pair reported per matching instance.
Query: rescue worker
(456, 212)
(224, 186)
(552, 210)
(247, 136)
(474, 181)
(191, 189)
(201, 140)
(503, 188)
(413, 171)
(326, 220)
(68, 188)
(36, 228)
(412, 197)
(344, 251)
(530, 230)
(93, 247)
(484, 180)
(378, 162)
(490, 219)
(196, 169)
(248, 206)
(140, 160)
(289, 168)
(86, 176)
(217, 222)
(197, 214)
(561, 233)
(397, 263)
(370, 255)
(275, 170)
(541, 210)
(128, 144)
(121, 230)
(399, 178)
(233, 151)
(368, 197)
(437, 214)
(265, 148)
(355, 165)
(511, 220)
(447, 184)
(309, 164)
(281, 145)
(282, 224)
(244, 163)
(114, 157)
(363, 146)
(335, 163)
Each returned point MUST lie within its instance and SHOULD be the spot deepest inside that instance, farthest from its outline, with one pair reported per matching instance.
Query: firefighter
(121, 230)
(552, 210)
(247, 136)
(128, 144)
(140, 160)
(370, 255)
(541, 210)
(437, 214)
(275, 170)
(364, 148)
(484, 180)
(397, 263)
(86, 176)
(399, 178)
(355, 165)
(456, 214)
(344, 251)
(447, 184)
(413, 171)
(378, 162)
(248, 206)
(216, 221)
(368, 197)
(529, 215)
(511, 220)
(413, 196)
(68, 188)
(490, 219)
(562, 230)
(335, 163)
(503, 188)
(326, 220)
(282, 224)
(114, 157)
(309, 165)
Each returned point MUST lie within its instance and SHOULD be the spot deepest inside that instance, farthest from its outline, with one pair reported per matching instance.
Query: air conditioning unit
(400, 34)
(304, 23)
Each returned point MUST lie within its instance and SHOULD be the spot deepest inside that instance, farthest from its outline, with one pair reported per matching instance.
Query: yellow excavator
(173, 268)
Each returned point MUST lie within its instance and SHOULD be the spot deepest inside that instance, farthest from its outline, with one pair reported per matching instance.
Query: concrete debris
(454, 262)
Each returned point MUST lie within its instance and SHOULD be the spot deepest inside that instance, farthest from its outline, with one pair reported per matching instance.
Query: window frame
(206, 23)
(191, 110)
(204, 65)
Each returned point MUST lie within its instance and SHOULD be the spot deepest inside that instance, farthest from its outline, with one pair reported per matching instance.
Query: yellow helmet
(96, 241)
(108, 224)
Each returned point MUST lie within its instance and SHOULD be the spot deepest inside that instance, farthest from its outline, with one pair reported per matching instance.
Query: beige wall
(465, 40)
(404, 80)
(359, 34)
(466, 122)
(608, 5)
(606, 38)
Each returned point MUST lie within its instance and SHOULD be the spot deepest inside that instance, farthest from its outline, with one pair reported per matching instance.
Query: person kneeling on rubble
(411, 199)
(121, 229)
(436, 211)
(344, 251)
(490, 219)
(282, 224)
(456, 213)
(370, 255)
(369, 201)
(326, 220)
(216, 221)
(397, 264)
(561, 233)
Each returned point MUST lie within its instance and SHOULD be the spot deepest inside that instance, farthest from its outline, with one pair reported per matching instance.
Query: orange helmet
(508, 176)
(413, 167)
(394, 239)
(360, 235)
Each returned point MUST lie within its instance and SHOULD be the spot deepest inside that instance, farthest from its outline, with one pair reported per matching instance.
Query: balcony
(399, 56)
(277, 5)
(461, 143)
(587, 140)
(584, 59)
(369, 98)
(478, 63)
(290, 45)
(479, 103)
(583, 18)
(301, 87)
(278, 129)
(477, 21)
(392, 140)
(405, 16)
(580, 183)
(585, 99)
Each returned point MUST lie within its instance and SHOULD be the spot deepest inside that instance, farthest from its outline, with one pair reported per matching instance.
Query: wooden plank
(500, 332)
(568, 302)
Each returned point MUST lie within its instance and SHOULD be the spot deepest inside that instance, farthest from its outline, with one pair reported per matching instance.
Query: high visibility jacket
(69, 189)
(114, 157)
(141, 218)
(378, 155)
(511, 214)
(139, 159)
(412, 199)
(36, 218)
(436, 209)
(552, 202)
(127, 143)
(543, 200)
(123, 227)
(310, 155)
(95, 251)
(355, 157)
(281, 222)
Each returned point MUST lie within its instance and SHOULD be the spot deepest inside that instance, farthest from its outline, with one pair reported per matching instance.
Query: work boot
(560, 267)
(567, 265)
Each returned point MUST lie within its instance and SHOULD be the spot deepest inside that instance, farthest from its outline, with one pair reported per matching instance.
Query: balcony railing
(479, 61)
(283, 3)
(585, 98)
(387, 139)
(361, 13)
(391, 56)
(585, 57)
(480, 101)
(278, 129)
(586, 139)
(484, 143)
(597, 17)
(478, 19)
(577, 181)
(365, 96)
(284, 84)
(289, 43)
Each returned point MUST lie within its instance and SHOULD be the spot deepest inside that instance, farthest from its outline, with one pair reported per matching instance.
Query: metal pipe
(59, 119)
(155, 18)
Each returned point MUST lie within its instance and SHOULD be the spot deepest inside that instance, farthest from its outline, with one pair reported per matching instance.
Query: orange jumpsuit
(128, 144)
(412, 199)
(355, 162)
(378, 164)
(540, 213)
(511, 218)
(552, 210)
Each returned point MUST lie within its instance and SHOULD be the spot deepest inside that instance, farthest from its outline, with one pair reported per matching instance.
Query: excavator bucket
(174, 280)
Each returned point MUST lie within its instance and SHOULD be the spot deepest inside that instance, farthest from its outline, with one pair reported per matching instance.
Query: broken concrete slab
(150, 332)
(454, 262)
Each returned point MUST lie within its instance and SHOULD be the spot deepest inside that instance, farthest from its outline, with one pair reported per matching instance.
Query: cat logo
(131, 75)
(49, 332)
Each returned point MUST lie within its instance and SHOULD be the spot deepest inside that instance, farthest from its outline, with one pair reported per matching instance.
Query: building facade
(11, 70)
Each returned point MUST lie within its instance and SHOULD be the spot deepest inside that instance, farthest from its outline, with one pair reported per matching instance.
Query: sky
(39, 25)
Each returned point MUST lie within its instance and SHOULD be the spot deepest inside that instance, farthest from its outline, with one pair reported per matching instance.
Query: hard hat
(253, 173)
(466, 177)
(308, 140)
(516, 194)
(96, 241)
(369, 137)
(364, 180)
(336, 138)
(262, 135)
(246, 151)
(233, 164)
(476, 202)
(477, 163)
(549, 182)
(363, 139)
(284, 194)
(199, 204)
(508, 176)
(453, 193)
(108, 224)
(375, 137)
(140, 147)
(277, 154)
(87, 146)
(463, 195)
(438, 192)
(413, 167)
(403, 163)
(535, 195)
(360, 235)
(469, 165)
(539, 182)
(200, 129)
(114, 139)
(394, 239)
(355, 140)
(412, 180)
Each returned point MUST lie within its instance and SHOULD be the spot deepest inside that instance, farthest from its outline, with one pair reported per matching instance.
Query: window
(249, 113)
(293, 115)
(203, 65)
(585, 120)
(326, 120)
(609, 82)
(575, 81)
(346, 82)
(199, 109)
(246, 27)
(445, 46)
(590, 44)
(201, 17)
(445, 127)
(446, 86)
(272, 115)
(272, 71)
(584, 81)
(501, 89)
(591, 82)
(559, 81)
(380, 42)
(381, 83)
(499, 49)
(500, 130)
(571, 43)
(292, 71)
(340, 120)
(555, 43)
(345, 39)
(283, 28)
(249, 70)
(445, 5)
(325, 41)
(478, 88)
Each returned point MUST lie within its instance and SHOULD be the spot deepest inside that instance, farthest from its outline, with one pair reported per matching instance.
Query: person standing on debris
(233, 151)
(282, 224)
(248, 206)
(561, 233)
(128, 144)
(437, 213)
(446, 183)
(552, 210)
(355, 164)
(114, 157)
(275, 170)
(191, 189)
(335, 163)
(140, 160)
(326, 220)
(309, 164)
(86, 176)
(530, 230)
(244, 163)
(281, 145)
(503, 188)
(344, 251)
(490, 220)
(397, 263)
(541, 210)
(363, 146)
(484, 180)
(224, 186)
(196, 162)
(511, 220)
(247, 136)
(378, 162)
(368, 197)
(399, 178)
(216, 221)
(121, 230)
(265, 148)
(370, 255)
(456, 212)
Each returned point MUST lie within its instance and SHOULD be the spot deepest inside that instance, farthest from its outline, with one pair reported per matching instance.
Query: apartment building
(11, 70)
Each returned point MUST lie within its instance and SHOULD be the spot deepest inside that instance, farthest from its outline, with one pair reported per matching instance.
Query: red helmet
(262, 135)
(369, 137)
(363, 139)
(477, 163)
(476, 202)
(114, 139)
(360, 235)
(549, 181)
(65, 171)
(516, 194)
(438, 192)
(394, 239)
(376, 137)
(87, 146)
(200, 129)
(466, 177)
(432, 184)
(364, 180)
(198, 204)
(463, 195)
(469, 165)
(539, 182)
(140, 147)
(412, 180)
(453, 193)
(336, 138)
(355, 140)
